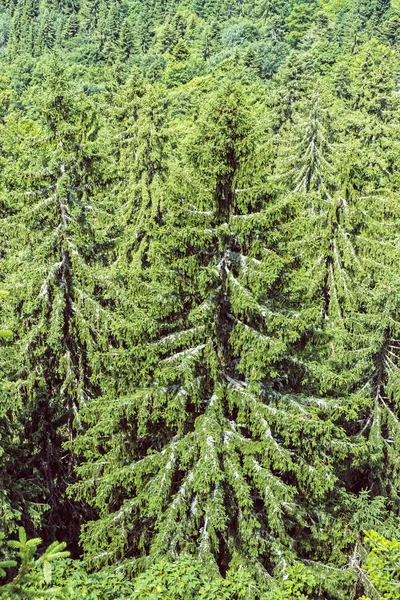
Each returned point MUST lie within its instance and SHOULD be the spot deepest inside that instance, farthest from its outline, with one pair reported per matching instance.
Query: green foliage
(5, 333)
(188, 579)
(34, 576)
(383, 566)
(299, 21)
(205, 453)
(53, 575)
(200, 246)
(52, 271)
(301, 583)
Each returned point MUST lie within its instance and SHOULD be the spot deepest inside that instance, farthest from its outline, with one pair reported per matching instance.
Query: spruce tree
(126, 39)
(347, 230)
(112, 29)
(296, 80)
(71, 27)
(222, 447)
(369, 184)
(206, 280)
(180, 51)
(47, 33)
(141, 155)
(61, 316)
(88, 14)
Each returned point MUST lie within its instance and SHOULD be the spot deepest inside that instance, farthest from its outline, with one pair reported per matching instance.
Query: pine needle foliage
(60, 314)
(347, 235)
(144, 159)
(199, 239)
(34, 575)
(219, 449)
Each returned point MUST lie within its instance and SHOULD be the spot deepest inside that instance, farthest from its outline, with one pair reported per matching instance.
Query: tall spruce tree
(369, 185)
(223, 448)
(347, 232)
(61, 317)
(144, 166)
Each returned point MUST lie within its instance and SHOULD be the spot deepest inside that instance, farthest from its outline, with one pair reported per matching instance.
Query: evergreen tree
(144, 164)
(348, 232)
(47, 32)
(112, 28)
(299, 21)
(126, 39)
(391, 29)
(198, 7)
(9, 438)
(204, 275)
(166, 37)
(60, 319)
(88, 13)
(218, 449)
(180, 51)
(297, 78)
(305, 163)
(15, 34)
(369, 184)
(142, 34)
(72, 26)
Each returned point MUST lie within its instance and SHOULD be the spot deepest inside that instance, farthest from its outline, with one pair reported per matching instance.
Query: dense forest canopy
(200, 309)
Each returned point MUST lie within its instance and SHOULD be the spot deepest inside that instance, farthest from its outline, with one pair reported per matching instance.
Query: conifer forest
(199, 299)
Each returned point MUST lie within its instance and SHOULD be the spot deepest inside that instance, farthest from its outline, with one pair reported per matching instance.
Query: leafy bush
(53, 575)
(383, 565)
(187, 579)
(76, 582)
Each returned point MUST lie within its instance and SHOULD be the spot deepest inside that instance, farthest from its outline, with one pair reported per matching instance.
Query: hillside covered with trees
(200, 299)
